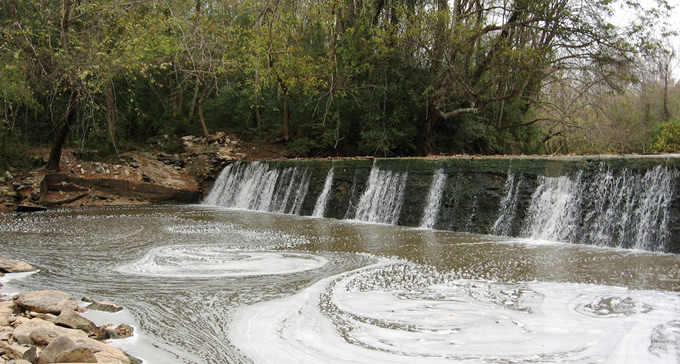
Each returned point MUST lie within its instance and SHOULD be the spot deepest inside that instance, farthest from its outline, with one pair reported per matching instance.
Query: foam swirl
(214, 261)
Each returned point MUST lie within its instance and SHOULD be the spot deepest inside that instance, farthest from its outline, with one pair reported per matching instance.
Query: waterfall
(257, 186)
(609, 206)
(508, 206)
(555, 209)
(322, 200)
(624, 209)
(383, 197)
(434, 199)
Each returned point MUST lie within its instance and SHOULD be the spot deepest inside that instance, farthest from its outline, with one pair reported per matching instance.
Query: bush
(667, 139)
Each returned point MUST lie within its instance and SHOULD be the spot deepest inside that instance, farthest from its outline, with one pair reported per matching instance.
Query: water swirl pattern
(363, 317)
(210, 285)
(204, 261)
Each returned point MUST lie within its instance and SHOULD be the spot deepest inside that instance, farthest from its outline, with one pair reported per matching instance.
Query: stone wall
(475, 186)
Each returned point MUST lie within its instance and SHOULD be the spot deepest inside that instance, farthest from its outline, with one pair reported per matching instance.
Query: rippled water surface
(204, 285)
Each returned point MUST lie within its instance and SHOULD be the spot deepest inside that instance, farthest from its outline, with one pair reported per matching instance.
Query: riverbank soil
(140, 177)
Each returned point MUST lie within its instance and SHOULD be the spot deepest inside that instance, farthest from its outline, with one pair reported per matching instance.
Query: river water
(210, 285)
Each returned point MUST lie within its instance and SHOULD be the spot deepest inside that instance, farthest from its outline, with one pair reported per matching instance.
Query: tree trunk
(60, 139)
(258, 116)
(206, 134)
(425, 137)
(666, 76)
(286, 116)
(111, 111)
(194, 99)
(65, 23)
(13, 12)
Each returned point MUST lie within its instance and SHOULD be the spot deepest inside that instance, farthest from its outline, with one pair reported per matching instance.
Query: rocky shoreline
(45, 326)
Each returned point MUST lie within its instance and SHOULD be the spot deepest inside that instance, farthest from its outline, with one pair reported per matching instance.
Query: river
(203, 284)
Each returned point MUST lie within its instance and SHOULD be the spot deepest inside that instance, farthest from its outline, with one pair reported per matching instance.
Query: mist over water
(210, 285)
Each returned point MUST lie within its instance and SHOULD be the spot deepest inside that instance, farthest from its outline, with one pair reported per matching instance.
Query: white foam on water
(6, 287)
(368, 316)
(215, 261)
(139, 345)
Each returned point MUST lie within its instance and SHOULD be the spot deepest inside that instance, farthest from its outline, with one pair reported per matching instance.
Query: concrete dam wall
(612, 201)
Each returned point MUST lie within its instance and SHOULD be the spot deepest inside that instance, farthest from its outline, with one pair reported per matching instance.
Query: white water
(383, 197)
(617, 210)
(624, 208)
(256, 186)
(508, 207)
(322, 200)
(365, 316)
(218, 261)
(434, 199)
(211, 285)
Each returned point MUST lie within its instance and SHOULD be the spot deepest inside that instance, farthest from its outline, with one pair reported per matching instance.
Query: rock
(8, 176)
(13, 351)
(218, 137)
(9, 265)
(121, 332)
(16, 321)
(103, 352)
(31, 354)
(46, 301)
(56, 347)
(45, 316)
(6, 309)
(43, 336)
(71, 319)
(19, 361)
(79, 354)
(6, 333)
(41, 332)
(104, 306)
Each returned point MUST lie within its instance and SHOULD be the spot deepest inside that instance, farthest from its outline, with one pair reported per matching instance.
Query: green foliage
(667, 139)
(383, 78)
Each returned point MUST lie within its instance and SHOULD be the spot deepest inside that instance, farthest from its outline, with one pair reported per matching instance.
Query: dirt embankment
(135, 178)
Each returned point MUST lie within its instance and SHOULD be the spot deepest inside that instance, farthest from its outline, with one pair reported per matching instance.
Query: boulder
(13, 351)
(9, 265)
(45, 316)
(103, 352)
(6, 309)
(46, 301)
(120, 332)
(19, 361)
(31, 354)
(71, 319)
(79, 354)
(15, 320)
(6, 333)
(56, 347)
(104, 306)
(41, 332)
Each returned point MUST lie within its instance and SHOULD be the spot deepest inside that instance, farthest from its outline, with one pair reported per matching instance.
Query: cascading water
(322, 200)
(434, 198)
(257, 186)
(508, 207)
(382, 200)
(614, 207)
(624, 210)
